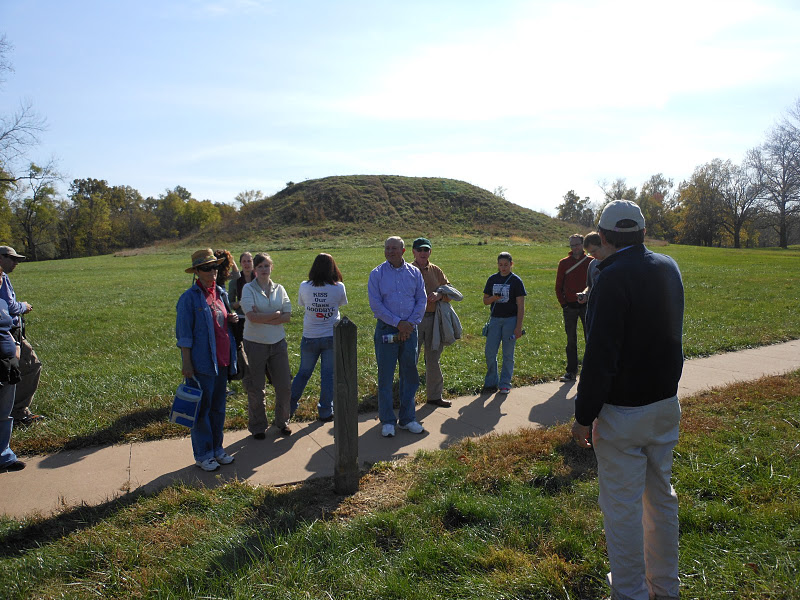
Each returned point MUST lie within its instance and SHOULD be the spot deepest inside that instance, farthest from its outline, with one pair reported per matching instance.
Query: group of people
(215, 347)
(628, 299)
(20, 368)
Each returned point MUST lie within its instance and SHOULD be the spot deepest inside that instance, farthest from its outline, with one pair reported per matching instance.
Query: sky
(537, 98)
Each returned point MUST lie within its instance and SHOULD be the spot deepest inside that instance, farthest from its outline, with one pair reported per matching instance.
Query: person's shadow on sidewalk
(478, 417)
(249, 454)
(559, 408)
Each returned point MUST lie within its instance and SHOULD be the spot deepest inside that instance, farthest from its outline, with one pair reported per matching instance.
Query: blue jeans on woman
(310, 350)
(501, 329)
(7, 392)
(207, 430)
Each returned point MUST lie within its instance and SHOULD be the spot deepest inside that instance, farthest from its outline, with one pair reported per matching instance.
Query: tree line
(754, 203)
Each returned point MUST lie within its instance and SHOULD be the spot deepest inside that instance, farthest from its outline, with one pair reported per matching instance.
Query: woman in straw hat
(208, 353)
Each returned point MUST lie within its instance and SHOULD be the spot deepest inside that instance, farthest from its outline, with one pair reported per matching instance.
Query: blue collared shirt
(397, 294)
(14, 308)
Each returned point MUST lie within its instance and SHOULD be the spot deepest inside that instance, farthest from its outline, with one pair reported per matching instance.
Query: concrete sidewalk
(95, 475)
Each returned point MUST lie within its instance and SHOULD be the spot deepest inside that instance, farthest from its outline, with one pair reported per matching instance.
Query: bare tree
(19, 131)
(739, 193)
(777, 165)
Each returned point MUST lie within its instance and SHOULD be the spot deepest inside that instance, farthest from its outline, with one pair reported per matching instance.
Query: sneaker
(224, 458)
(260, 435)
(17, 465)
(208, 464)
(567, 377)
(413, 427)
(387, 430)
(504, 389)
(327, 419)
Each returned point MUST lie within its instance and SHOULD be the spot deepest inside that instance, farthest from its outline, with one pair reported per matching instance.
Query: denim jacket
(194, 329)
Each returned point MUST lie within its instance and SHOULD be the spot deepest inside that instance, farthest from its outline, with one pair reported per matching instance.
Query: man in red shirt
(571, 279)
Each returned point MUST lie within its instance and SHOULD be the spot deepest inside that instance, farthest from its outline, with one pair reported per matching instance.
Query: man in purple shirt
(397, 299)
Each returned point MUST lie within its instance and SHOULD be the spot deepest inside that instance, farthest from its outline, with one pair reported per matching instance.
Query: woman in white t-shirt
(320, 296)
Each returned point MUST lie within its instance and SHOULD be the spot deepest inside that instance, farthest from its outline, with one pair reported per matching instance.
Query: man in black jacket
(628, 390)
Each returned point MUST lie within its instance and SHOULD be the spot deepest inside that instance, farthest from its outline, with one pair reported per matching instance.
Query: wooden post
(345, 407)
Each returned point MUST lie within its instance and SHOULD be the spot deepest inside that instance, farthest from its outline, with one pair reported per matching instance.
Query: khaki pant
(30, 368)
(434, 381)
(261, 357)
(633, 445)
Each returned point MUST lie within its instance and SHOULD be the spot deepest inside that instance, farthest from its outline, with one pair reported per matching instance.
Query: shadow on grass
(38, 533)
(280, 512)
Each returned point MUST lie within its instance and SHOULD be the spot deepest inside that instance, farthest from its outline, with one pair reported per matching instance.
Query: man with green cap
(434, 278)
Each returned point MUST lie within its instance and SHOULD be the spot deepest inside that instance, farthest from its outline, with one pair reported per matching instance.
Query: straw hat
(204, 257)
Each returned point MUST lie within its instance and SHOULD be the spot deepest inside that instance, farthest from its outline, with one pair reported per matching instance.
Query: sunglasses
(423, 249)
(208, 268)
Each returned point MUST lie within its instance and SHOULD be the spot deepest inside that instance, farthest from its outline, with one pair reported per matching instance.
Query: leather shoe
(28, 420)
(286, 430)
(17, 465)
(259, 436)
(441, 402)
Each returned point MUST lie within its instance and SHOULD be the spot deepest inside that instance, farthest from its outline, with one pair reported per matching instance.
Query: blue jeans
(310, 350)
(388, 356)
(7, 455)
(501, 329)
(207, 430)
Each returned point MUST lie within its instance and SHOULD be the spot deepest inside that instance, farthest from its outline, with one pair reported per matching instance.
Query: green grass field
(104, 327)
(504, 517)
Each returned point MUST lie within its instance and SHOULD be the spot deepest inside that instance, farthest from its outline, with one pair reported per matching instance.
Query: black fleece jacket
(634, 351)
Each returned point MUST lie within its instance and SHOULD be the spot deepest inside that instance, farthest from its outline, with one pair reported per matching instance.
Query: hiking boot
(17, 465)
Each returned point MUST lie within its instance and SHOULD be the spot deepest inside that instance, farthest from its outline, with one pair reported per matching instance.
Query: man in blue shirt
(397, 299)
(29, 366)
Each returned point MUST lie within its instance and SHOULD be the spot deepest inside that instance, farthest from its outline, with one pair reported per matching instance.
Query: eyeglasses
(207, 268)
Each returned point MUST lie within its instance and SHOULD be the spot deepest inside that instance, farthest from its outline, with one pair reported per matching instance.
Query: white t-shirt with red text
(321, 307)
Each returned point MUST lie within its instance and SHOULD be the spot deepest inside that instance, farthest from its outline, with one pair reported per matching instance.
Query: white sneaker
(224, 458)
(387, 430)
(208, 464)
(413, 427)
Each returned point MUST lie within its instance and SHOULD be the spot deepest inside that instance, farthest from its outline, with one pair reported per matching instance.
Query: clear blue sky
(538, 97)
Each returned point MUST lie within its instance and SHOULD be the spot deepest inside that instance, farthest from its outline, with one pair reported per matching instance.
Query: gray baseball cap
(621, 210)
(9, 251)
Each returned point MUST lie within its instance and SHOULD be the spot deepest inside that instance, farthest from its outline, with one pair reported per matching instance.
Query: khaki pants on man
(434, 381)
(30, 369)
